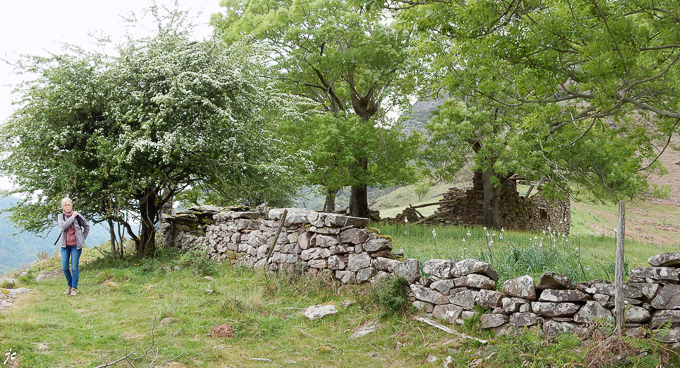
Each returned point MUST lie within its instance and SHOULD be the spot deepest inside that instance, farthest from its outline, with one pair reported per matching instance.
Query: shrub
(661, 192)
(391, 295)
(42, 255)
(7, 284)
(27, 279)
(198, 262)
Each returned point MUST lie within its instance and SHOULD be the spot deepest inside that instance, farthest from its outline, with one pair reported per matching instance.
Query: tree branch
(132, 356)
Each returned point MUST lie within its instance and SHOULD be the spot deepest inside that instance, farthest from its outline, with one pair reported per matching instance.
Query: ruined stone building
(517, 212)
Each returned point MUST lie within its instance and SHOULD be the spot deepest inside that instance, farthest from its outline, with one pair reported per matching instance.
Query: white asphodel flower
(434, 233)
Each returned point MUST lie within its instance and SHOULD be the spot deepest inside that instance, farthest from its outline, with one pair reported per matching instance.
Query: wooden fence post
(276, 237)
(618, 273)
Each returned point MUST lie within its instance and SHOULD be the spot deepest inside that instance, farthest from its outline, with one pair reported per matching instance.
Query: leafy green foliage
(7, 284)
(353, 65)
(390, 294)
(661, 192)
(650, 349)
(529, 348)
(122, 135)
(474, 323)
(198, 262)
(330, 146)
(551, 92)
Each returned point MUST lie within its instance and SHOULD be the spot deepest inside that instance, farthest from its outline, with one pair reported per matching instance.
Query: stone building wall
(535, 213)
(449, 289)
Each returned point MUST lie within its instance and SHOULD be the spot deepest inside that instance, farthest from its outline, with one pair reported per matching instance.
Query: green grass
(646, 221)
(394, 202)
(513, 254)
(121, 300)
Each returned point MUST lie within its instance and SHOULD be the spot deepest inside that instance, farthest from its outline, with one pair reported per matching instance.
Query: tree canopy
(122, 134)
(571, 92)
(348, 60)
(330, 144)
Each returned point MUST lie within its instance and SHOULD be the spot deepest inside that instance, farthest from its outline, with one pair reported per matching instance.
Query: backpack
(79, 224)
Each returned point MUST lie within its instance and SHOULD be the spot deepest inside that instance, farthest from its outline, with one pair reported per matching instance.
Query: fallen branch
(427, 218)
(446, 329)
(131, 357)
(103, 253)
(264, 360)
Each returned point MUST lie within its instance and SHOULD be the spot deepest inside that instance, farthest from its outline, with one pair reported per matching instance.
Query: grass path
(103, 323)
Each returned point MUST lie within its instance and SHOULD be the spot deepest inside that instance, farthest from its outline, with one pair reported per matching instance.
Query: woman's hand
(74, 214)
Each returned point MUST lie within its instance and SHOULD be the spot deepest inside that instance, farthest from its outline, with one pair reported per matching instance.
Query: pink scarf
(70, 232)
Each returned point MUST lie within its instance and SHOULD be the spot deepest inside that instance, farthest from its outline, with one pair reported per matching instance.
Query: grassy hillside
(166, 307)
(49, 329)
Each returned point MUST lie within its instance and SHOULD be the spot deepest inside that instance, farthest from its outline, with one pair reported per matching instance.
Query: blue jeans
(72, 273)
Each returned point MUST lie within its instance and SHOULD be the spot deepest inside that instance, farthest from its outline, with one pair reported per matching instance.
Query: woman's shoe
(68, 291)
(73, 292)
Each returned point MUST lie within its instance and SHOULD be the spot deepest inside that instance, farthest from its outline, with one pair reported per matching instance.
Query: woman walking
(74, 230)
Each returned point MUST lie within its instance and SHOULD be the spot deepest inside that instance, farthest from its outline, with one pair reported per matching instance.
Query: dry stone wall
(449, 289)
(556, 303)
(309, 240)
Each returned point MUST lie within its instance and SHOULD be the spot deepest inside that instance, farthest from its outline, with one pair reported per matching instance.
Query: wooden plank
(432, 203)
(276, 237)
(619, 298)
(427, 218)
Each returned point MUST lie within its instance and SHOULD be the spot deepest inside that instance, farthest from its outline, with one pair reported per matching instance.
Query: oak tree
(346, 59)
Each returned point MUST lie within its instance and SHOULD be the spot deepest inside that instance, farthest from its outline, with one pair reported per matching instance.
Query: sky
(38, 27)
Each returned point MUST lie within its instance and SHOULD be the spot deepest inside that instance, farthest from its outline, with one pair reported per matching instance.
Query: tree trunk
(166, 208)
(492, 200)
(329, 205)
(121, 239)
(112, 233)
(365, 107)
(148, 212)
(358, 200)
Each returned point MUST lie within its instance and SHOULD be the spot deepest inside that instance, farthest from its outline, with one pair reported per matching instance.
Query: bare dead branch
(131, 357)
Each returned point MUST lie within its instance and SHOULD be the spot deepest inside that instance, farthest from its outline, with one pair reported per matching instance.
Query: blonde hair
(66, 199)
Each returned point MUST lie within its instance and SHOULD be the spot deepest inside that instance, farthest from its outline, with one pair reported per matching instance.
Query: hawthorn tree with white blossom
(124, 134)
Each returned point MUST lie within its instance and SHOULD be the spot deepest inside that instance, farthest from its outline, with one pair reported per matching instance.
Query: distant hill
(420, 114)
(21, 248)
